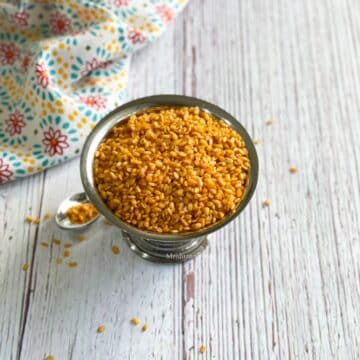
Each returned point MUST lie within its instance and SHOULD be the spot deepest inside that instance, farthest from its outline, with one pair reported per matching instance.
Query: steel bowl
(155, 246)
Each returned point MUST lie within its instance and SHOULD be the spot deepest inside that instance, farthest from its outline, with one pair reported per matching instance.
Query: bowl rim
(100, 131)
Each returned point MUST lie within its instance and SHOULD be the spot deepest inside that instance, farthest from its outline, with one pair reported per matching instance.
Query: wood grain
(281, 282)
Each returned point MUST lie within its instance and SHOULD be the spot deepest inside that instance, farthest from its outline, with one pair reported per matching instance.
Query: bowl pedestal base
(169, 251)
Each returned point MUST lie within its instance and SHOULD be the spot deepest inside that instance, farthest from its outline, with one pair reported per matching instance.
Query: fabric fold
(63, 67)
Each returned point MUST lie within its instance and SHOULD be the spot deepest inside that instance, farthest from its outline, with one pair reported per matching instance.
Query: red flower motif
(8, 54)
(54, 141)
(119, 3)
(15, 123)
(20, 18)
(41, 75)
(166, 13)
(25, 63)
(93, 65)
(78, 32)
(136, 36)
(90, 66)
(59, 23)
(105, 64)
(5, 172)
(96, 102)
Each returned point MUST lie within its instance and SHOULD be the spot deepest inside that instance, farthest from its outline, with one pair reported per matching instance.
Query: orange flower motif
(136, 36)
(166, 13)
(20, 18)
(9, 53)
(41, 75)
(55, 142)
(94, 64)
(25, 62)
(59, 23)
(119, 3)
(5, 172)
(96, 102)
(15, 123)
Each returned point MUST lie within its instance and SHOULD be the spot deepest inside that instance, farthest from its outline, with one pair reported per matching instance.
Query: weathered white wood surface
(278, 283)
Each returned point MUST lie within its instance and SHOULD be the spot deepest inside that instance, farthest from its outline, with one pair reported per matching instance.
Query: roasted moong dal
(172, 170)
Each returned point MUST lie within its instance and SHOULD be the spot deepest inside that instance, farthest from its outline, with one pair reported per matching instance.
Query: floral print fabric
(63, 66)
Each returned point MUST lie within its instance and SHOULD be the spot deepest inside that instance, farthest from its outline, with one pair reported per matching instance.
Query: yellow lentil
(25, 267)
(29, 219)
(159, 170)
(266, 202)
(144, 328)
(72, 264)
(47, 216)
(56, 242)
(66, 253)
(81, 213)
(202, 348)
(135, 321)
(293, 170)
(44, 244)
(115, 249)
(80, 237)
(58, 260)
(67, 246)
(101, 329)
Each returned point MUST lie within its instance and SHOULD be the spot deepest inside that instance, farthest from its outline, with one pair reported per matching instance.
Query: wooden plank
(17, 244)
(276, 282)
(68, 304)
(279, 282)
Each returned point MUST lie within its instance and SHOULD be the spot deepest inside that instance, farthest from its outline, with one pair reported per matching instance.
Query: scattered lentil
(202, 348)
(58, 260)
(47, 216)
(269, 122)
(36, 221)
(29, 219)
(171, 170)
(115, 249)
(56, 242)
(135, 321)
(72, 264)
(107, 222)
(66, 253)
(25, 267)
(144, 328)
(257, 141)
(266, 202)
(293, 170)
(80, 237)
(101, 329)
(44, 244)
(67, 246)
(81, 213)
(49, 357)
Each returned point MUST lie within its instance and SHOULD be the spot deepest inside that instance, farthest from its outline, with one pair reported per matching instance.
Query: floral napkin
(63, 66)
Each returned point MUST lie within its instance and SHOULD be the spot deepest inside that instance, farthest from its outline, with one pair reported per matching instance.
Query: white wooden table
(281, 282)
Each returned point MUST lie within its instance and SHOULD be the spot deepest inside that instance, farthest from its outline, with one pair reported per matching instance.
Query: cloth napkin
(63, 66)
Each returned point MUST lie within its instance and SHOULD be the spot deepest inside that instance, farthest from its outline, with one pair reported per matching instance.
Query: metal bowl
(154, 246)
